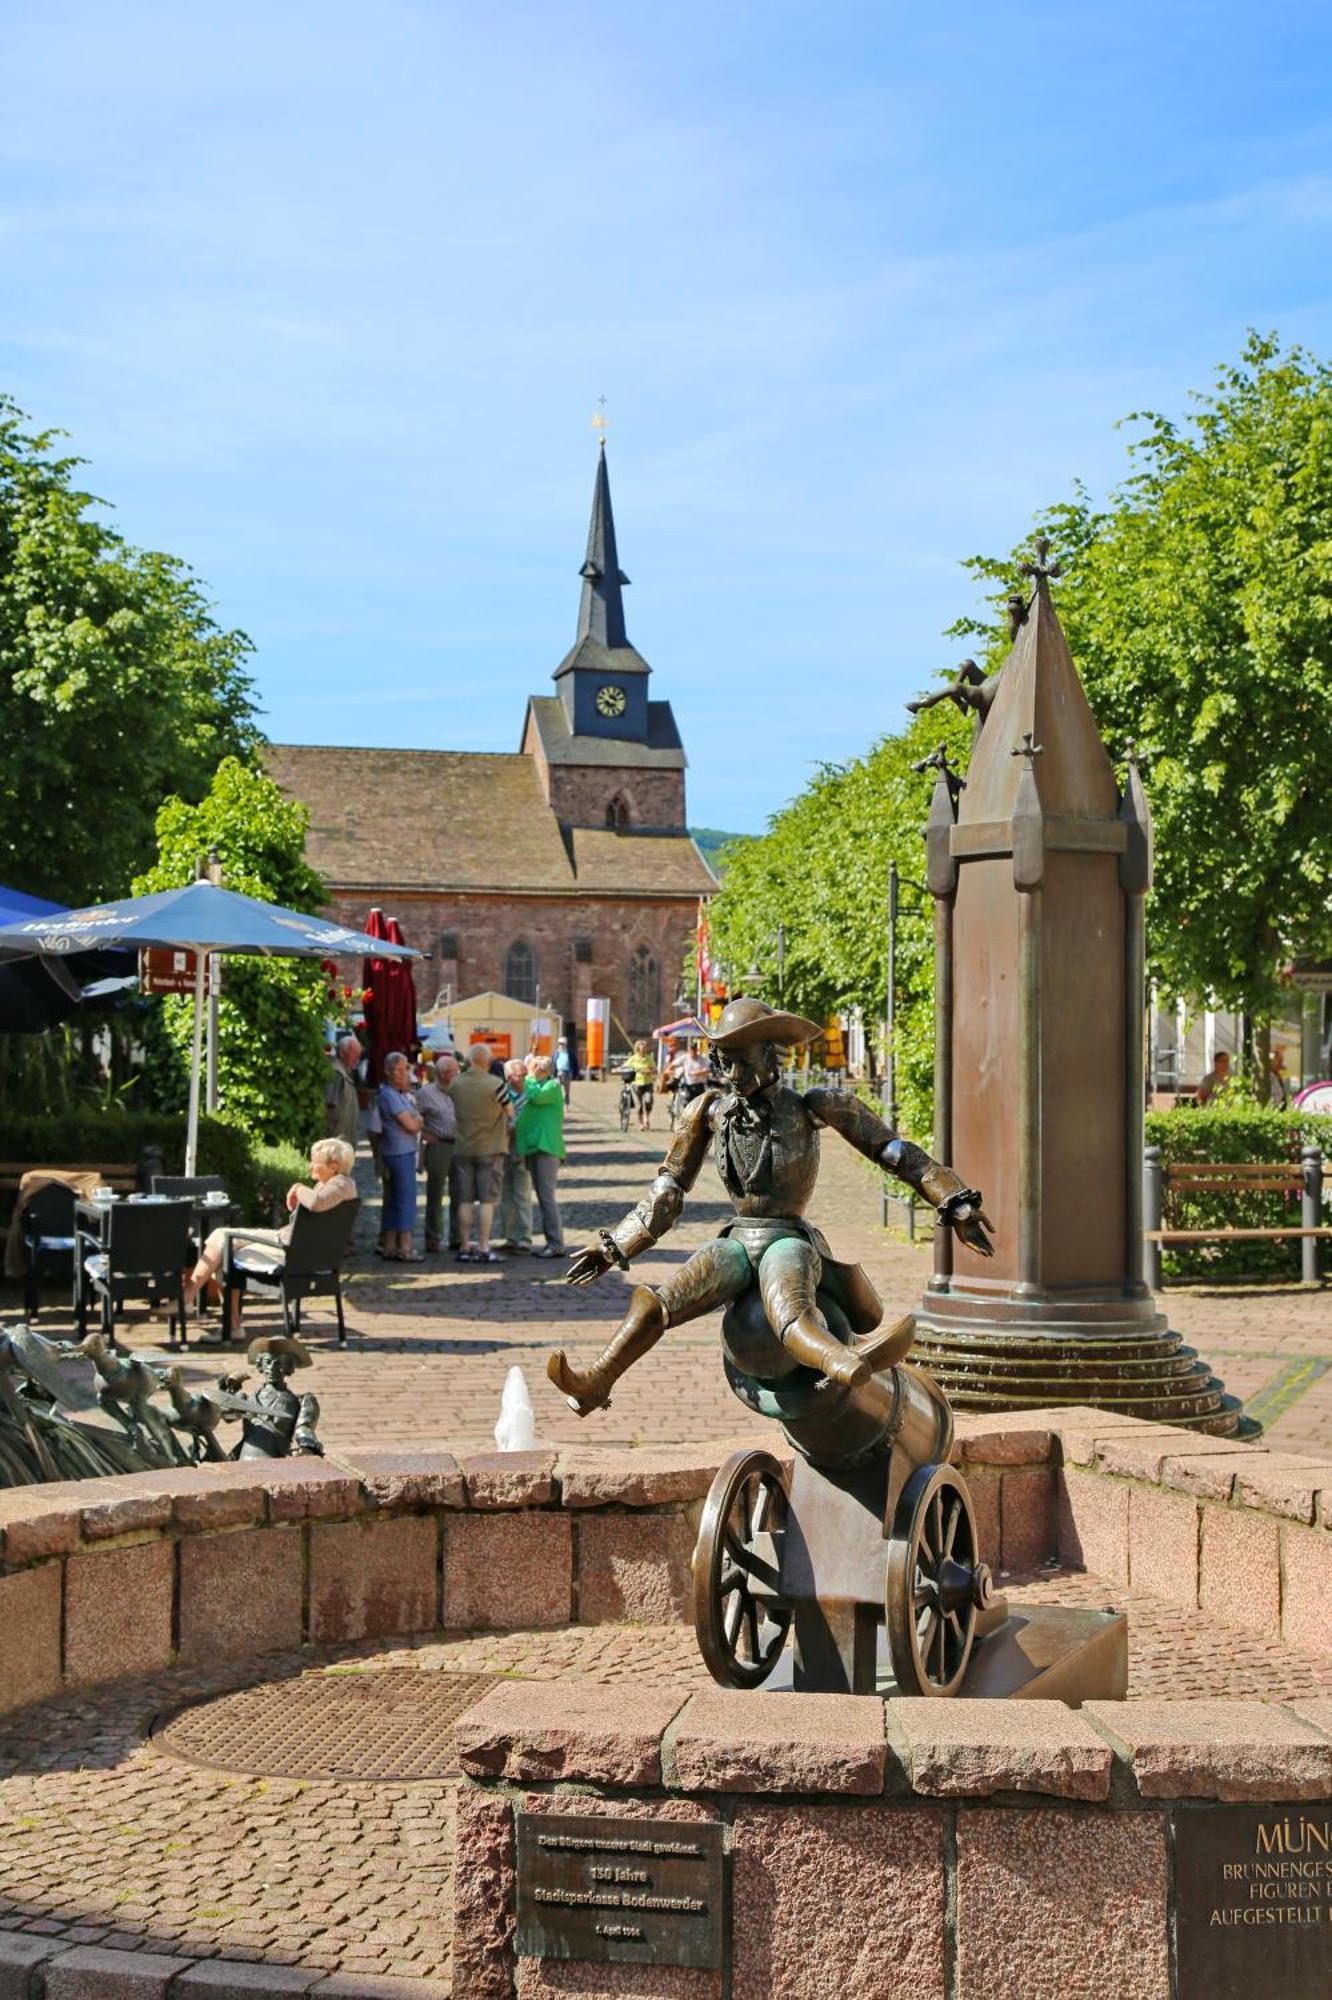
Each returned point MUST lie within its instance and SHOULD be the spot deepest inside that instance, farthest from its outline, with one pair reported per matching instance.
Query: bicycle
(628, 1103)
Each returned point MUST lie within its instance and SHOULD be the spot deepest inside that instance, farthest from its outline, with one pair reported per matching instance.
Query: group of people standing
(488, 1136)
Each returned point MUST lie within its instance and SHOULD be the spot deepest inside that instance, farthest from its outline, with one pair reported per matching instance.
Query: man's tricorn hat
(293, 1352)
(744, 1022)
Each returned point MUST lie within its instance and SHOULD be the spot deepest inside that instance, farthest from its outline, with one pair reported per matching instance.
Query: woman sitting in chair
(330, 1170)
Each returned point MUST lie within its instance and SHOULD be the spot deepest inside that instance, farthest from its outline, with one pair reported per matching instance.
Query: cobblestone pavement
(104, 1839)
(430, 1346)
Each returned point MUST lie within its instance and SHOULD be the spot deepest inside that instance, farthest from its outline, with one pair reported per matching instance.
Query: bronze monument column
(1039, 869)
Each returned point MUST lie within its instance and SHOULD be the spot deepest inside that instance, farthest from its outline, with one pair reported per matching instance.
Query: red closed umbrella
(399, 1016)
(374, 975)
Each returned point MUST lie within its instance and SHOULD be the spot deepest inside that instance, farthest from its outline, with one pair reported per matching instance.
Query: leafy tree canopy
(271, 1064)
(1198, 607)
(116, 686)
(822, 870)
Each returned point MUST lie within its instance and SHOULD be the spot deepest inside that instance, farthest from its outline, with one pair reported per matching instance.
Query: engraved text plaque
(1253, 1888)
(647, 1891)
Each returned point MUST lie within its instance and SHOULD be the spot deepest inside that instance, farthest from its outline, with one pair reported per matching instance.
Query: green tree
(271, 1065)
(116, 686)
(1198, 607)
(822, 870)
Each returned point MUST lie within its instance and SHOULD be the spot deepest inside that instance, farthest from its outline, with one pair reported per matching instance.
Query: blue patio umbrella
(200, 918)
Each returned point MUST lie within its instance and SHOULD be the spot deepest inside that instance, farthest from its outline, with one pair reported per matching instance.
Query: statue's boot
(641, 1328)
(809, 1341)
(887, 1345)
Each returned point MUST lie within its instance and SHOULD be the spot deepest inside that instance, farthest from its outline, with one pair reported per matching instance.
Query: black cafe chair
(147, 1251)
(48, 1241)
(308, 1267)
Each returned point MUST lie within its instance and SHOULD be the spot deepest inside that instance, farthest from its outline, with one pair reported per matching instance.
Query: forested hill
(710, 843)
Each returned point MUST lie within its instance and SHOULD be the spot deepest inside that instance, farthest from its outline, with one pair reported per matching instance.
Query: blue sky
(327, 294)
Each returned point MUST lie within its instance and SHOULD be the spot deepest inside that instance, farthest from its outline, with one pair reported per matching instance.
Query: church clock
(611, 700)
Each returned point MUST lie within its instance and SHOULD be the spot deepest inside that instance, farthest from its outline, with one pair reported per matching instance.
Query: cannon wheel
(740, 1625)
(935, 1583)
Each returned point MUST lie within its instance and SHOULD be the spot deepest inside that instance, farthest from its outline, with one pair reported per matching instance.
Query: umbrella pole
(196, 1063)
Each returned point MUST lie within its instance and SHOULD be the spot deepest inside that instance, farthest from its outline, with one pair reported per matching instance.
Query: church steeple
(601, 611)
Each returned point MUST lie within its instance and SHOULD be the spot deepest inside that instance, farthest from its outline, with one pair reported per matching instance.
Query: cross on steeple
(1028, 748)
(940, 761)
(1038, 566)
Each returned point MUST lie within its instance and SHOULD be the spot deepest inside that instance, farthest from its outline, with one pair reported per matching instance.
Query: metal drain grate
(390, 1723)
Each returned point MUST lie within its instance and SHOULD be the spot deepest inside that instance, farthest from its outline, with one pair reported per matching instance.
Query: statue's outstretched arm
(958, 1205)
(649, 1219)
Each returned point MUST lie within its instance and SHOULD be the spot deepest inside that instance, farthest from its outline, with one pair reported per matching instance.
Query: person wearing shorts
(644, 1072)
(481, 1104)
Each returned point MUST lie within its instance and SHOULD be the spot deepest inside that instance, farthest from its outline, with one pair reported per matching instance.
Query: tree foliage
(271, 1064)
(116, 686)
(822, 870)
(1198, 607)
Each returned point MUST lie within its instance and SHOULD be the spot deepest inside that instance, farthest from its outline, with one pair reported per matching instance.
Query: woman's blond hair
(336, 1151)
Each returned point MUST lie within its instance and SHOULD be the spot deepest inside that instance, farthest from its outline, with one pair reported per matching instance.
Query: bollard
(1311, 1214)
(1153, 1205)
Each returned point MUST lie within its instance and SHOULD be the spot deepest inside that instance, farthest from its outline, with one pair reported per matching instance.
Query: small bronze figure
(971, 690)
(769, 1265)
(279, 1421)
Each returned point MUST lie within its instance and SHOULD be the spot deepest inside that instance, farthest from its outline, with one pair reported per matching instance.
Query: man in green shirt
(538, 1138)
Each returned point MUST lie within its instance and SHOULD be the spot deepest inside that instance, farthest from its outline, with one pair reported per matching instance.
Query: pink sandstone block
(19, 1956)
(1210, 1475)
(1133, 1455)
(1239, 1576)
(554, 1979)
(643, 1476)
(731, 1741)
(1212, 1747)
(308, 1489)
(1027, 1532)
(219, 1496)
(1094, 1524)
(399, 1479)
(39, 1521)
(969, 1749)
(1056, 1902)
(1163, 1545)
(223, 1979)
(838, 1902)
(994, 1441)
(983, 1486)
(118, 1612)
(29, 1636)
(497, 1479)
(369, 1579)
(633, 1568)
(567, 1729)
(1314, 1708)
(91, 1973)
(1284, 1483)
(483, 1895)
(504, 1572)
(1082, 1430)
(1306, 1589)
(240, 1594)
(132, 1503)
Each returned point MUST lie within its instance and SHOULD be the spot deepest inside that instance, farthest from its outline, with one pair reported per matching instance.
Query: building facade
(554, 872)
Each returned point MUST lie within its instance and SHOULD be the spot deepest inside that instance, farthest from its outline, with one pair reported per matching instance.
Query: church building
(555, 871)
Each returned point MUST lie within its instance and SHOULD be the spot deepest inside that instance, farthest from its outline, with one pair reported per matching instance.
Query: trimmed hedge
(105, 1138)
(1235, 1131)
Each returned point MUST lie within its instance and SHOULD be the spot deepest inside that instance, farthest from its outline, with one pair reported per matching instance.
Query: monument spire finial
(1038, 565)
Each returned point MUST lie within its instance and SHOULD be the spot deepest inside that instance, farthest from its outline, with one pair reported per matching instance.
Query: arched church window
(520, 972)
(644, 992)
(617, 812)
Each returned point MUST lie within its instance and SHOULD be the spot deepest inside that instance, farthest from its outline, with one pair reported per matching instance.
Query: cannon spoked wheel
(741, 1626)
(935, 1583)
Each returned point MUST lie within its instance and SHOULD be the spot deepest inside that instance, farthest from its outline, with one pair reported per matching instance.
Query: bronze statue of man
(768, 1262)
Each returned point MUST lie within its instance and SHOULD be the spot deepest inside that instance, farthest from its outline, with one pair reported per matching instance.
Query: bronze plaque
(647, 1891)
(1253, 1900)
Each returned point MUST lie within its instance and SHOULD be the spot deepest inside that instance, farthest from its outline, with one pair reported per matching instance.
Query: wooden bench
(1285, 1177)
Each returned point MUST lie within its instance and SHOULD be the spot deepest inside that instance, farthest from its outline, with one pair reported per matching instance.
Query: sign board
(638, 1891)
(162, 970)
(1253, 1895)
(500, 1045)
